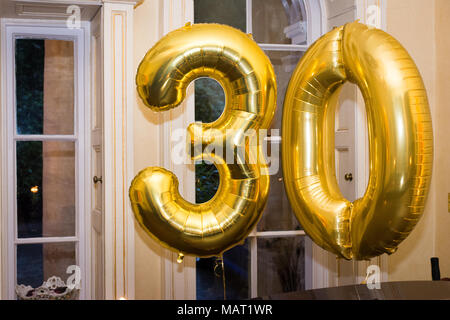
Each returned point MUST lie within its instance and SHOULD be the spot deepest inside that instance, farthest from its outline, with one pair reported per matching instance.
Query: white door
(339, 13)
(345, 167)
(351, 138)
(97, 206)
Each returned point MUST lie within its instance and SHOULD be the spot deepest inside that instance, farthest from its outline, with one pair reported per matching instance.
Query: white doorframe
(373, 13)
(325, 267)
(118, 96)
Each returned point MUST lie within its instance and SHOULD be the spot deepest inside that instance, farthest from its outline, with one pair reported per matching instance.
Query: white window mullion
(249, 16)
(38, 137)
(283, 47)
(42, 240)
(279, 234)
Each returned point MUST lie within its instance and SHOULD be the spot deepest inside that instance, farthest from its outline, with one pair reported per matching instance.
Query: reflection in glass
(278, 215)
(209, 105)
(210, 283)
(45, 188)
(38, 262)
(284, 63)
(29, 56)
(281, 265)
(44, 86)
(278, 21)
(209, 100)
(229, 12)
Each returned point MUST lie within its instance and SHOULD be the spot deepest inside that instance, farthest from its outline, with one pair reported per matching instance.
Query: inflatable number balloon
(400, 142)
(246, 74)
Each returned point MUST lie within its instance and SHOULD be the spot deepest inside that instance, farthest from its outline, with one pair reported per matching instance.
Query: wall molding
(119, 97)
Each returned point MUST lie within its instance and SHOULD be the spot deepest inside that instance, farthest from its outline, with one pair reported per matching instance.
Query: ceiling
(47, 9)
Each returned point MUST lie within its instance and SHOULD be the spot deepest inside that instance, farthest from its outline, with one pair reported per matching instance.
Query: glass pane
(209, 100)
(229, 12)
(206, 182)
(210, 283)
(278, 21)
(281, 265)
(38, 262)
(29, 85)
(278, 215)
(44, 86)
(209, 105)
(45, 189)
(284, 63)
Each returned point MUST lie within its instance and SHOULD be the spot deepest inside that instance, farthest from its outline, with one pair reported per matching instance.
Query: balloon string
(355, 276)
(338, 271)
(219, 263)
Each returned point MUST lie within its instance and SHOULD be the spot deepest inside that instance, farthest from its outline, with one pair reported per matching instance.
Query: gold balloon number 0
(400, 140)
(246, 74)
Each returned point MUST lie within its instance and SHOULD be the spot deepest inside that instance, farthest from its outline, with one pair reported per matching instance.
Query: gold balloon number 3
(247, 77)
(400, 142)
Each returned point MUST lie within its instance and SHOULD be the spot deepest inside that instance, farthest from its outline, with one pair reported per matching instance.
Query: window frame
(180, 282)
(13, 29)
(255, 235)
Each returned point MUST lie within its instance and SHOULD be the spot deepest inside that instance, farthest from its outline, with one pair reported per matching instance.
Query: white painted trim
(278, 234)
(314, 17)
(118, 97)
(12, 29)
(45, 240)
(320, 267)
(249, 16)
(282, 47)
(37, 137)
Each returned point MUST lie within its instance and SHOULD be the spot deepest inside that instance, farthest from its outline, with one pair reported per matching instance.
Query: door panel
(345, 142)
(344, 272)
(97, 210)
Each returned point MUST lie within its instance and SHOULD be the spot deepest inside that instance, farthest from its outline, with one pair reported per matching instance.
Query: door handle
(348, 177)
(97, 179)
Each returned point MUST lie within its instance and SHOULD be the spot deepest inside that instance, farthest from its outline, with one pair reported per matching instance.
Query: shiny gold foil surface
(247, 77)
(400, 142)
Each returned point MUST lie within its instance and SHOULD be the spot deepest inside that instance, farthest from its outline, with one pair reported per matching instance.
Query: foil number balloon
(400, 142)
(246, 74)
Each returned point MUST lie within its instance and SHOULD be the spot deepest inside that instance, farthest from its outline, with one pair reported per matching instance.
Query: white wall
(414, 24)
